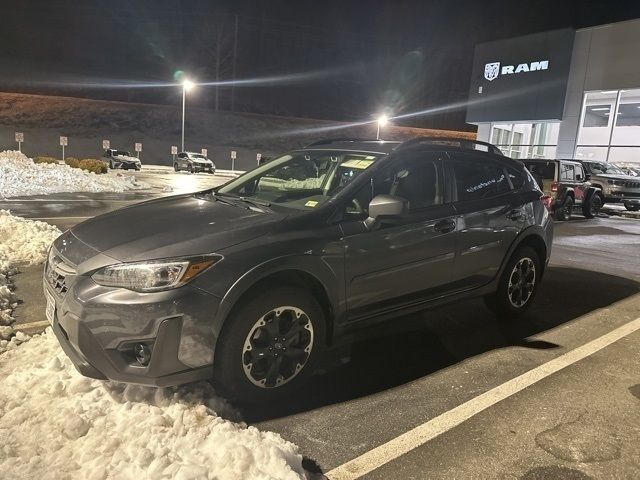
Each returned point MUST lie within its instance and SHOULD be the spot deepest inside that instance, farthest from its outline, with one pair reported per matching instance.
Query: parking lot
(394, 403)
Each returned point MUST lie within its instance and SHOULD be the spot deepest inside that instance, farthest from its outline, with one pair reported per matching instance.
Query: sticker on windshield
(311, 203)
(357, 163)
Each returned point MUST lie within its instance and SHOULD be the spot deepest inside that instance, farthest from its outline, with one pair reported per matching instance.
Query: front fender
(312, 265)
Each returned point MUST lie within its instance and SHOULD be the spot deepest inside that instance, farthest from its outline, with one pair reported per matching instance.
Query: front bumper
(202, 167)
(617, 195)
(98, 327)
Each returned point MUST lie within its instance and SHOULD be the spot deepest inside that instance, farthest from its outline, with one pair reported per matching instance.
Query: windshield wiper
(255, 202)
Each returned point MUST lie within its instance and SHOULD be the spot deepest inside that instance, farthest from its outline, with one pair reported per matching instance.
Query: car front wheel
(269, 345)
(175, 167)
(592, 206)
(517, 285)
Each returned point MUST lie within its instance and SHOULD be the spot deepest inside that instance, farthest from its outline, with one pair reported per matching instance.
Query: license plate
(50, 310)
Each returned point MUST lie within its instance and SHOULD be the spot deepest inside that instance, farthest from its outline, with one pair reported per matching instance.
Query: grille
(56, 272)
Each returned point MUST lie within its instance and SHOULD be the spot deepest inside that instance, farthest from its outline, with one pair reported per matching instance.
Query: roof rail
(328, 141)
(453, 141)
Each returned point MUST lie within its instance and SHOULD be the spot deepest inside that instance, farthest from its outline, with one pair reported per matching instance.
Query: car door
(489, 216)
(408, 259)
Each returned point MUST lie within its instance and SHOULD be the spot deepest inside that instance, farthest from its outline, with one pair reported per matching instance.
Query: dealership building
(561, 94)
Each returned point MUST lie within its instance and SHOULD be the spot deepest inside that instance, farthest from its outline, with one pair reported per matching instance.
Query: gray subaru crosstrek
(248, 283)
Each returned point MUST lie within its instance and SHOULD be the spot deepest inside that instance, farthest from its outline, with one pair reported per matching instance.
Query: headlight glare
(153, 276)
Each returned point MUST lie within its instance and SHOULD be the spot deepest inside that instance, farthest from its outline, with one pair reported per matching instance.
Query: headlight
(156, 275)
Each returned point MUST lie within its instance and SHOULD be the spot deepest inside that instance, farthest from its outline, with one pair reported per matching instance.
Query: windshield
(197, 155)
(301, 180)
(605, 168)
(122, 153)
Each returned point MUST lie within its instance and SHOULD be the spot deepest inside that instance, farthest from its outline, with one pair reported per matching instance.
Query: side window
(567, 172)
(417, 179)
(516, 177)
(579, 174)
(477, 179)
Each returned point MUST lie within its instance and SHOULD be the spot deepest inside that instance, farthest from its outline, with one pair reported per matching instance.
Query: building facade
(561, 94)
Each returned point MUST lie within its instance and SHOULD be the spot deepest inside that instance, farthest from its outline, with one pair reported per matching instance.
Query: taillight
(547, 201)
(554, 187)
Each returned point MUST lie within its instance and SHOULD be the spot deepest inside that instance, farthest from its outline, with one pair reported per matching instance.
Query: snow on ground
(19, 175)
(22, 241)
(54, 423)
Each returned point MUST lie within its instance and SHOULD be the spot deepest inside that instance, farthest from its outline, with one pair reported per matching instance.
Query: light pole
(382, 121)
(186, 86)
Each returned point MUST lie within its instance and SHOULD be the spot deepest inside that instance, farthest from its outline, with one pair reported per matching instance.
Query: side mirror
(587, 176)
(385, 207)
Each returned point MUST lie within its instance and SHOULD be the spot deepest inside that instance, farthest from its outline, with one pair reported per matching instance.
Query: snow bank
(54, 423)
(22, 241)
(19, 175)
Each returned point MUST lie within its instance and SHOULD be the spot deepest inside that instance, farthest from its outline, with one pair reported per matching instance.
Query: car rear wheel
(631, 207)
(564, 212)
(190, 168)
(175, 167)
(269, 345)
(517, 285)
(591, 207)
(111, 165)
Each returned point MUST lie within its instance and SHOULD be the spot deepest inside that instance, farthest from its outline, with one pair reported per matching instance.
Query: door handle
(445, 226)
(515, 215)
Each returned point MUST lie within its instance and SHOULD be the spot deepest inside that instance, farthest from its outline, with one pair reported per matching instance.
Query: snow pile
(22, 241)
(19, 175)
(54, 423)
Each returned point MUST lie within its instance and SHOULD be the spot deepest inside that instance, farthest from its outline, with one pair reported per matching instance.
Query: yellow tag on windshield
(311, 203)
(357, 163)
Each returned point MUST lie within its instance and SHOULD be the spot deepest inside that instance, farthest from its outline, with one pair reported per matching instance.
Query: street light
(186, 86)
(382, 121)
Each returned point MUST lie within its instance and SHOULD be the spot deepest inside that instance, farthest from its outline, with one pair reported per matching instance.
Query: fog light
(143, 354)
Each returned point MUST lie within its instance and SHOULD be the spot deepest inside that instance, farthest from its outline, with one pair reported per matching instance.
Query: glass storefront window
(592, 153)
(627, 127)
(624, 155)
(610, 126)
(597, 113)
(526, 140)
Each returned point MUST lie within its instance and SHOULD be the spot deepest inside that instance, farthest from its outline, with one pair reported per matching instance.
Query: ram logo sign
(492, 70)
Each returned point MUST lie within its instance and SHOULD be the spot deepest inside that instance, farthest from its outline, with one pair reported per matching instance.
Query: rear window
(543, 170)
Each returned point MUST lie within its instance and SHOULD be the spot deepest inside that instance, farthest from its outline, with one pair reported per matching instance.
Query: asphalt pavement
(425, 371)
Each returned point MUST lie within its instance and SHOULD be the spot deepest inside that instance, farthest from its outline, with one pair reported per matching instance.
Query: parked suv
(566, 187)
(251, 281)
(617, 186)
(193, 163)
(121, 159)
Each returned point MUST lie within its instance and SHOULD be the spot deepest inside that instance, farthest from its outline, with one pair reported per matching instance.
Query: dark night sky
(409, 55)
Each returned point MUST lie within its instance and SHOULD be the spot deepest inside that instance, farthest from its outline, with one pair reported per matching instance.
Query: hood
(126, 158)
(615, 176)
(172, 227)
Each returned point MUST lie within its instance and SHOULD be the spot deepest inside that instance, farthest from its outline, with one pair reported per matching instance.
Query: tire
(190, 168)
(249, 328)
(564, 212)
(591, 207)
(506, 302)
(175, 167)
(632, 208)
(111, 165)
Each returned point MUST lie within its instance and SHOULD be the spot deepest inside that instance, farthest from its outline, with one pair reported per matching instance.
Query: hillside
(43, 119)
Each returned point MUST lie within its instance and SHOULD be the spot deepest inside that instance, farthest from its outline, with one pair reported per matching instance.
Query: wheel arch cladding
(539, 246)
(287, 275)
